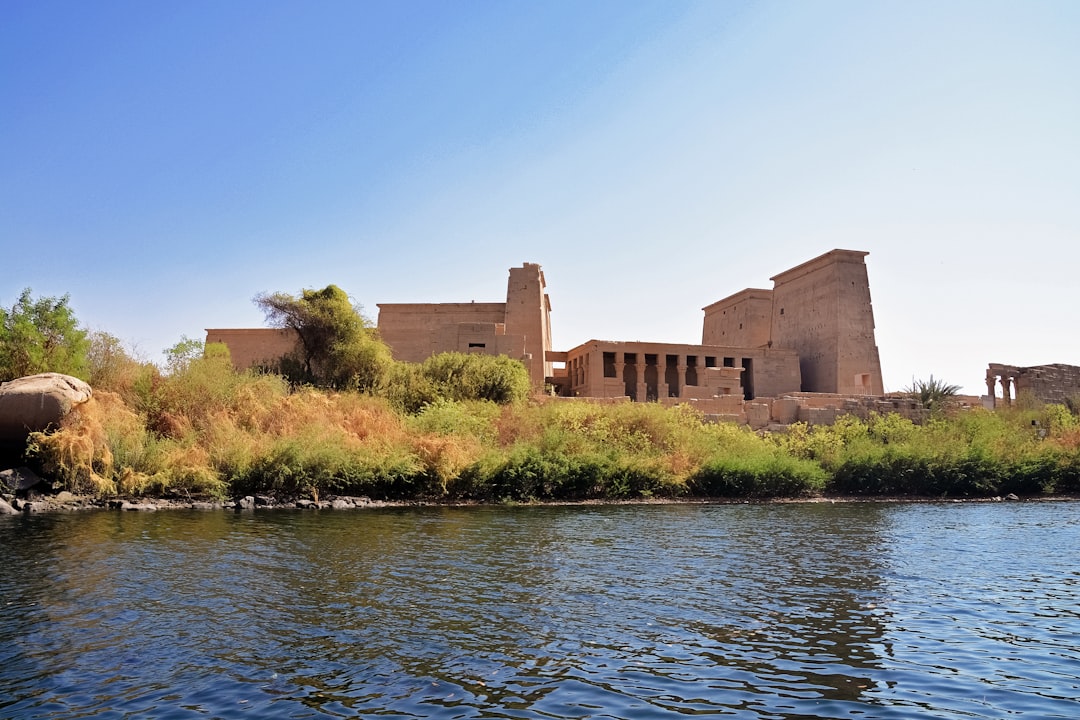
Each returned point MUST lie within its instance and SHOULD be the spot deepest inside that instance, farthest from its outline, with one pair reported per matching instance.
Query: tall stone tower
(822, 310)
(528, 313)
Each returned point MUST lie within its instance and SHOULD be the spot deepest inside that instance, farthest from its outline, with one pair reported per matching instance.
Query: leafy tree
(42, 335)
(338, 348)
(182, 354)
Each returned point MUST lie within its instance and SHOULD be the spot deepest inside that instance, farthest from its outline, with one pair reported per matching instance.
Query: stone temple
(766, 355)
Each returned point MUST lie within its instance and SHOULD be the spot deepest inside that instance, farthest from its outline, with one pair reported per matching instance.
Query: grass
(209, 431)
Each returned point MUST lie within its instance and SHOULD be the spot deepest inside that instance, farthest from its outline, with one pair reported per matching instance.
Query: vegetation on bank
(207, 430)
(464, 428)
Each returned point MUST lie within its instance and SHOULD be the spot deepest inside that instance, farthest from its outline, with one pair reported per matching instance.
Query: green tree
(932, 394)
(182, 354)
(42, 335)
(338, 348)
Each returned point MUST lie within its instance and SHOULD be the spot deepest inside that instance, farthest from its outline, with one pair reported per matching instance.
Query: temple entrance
(748, 378)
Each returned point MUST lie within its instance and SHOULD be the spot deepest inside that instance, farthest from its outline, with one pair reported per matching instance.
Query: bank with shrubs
(341, 417)
(465, 428)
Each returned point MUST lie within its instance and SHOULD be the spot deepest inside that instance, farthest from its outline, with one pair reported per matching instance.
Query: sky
(163, 162)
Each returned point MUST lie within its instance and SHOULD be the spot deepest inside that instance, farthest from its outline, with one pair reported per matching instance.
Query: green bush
(759, 476)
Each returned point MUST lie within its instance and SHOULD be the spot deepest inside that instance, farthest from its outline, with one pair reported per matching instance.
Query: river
(778, 611)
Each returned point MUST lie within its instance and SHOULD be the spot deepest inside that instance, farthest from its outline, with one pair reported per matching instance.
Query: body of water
(783, 611)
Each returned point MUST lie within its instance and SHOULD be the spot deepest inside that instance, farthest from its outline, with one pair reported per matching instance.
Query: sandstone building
(813, 332)
(519, 328)
(820, 309)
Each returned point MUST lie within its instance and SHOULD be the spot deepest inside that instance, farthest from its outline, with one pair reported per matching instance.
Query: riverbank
(66, 502)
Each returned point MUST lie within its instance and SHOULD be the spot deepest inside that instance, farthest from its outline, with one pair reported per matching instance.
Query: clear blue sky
(165, 161)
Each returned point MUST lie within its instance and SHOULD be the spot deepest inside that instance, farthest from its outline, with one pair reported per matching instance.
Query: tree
(42, 335)
(337, 346)
(182, 354)
(932, 394)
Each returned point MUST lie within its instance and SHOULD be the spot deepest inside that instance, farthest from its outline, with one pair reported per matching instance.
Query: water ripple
(778, 612)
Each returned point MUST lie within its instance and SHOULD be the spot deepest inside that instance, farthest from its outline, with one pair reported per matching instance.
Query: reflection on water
(749, 611)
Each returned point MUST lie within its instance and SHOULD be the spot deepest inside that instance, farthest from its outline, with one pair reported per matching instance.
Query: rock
(143, 507)
(18, 479)
(1011, 497)
(37, 402)
(246, 503)
(341, 504)
(6, 509)
(263, 501)
(306, 504)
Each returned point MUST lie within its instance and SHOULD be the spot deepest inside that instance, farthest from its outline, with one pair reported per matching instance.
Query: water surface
(743, 611)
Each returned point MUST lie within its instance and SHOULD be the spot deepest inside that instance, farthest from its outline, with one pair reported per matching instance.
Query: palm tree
(932, 394)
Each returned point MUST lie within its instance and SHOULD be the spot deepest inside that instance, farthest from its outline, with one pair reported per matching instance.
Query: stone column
(620, 368)
(642, 388)
(991, 388)
(682, 373)
(1006, 389)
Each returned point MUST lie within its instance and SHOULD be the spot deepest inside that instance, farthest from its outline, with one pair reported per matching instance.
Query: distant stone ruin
(1055, 383)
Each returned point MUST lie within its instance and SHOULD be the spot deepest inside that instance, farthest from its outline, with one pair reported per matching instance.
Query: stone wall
(251, 347)
(822, 310)
(740, 320)
(416, 331)
(1056, 383)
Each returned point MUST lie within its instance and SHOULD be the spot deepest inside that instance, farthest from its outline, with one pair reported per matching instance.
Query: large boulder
(37, 402)
(16, 480)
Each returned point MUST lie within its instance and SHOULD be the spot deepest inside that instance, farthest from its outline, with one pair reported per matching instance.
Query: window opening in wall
(781, 311)
(691, 370)
(729, 362)
(710, 361)
(609, 365)
(740, 326)
(478, 345)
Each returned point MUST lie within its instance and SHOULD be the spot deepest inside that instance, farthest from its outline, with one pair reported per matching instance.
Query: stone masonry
(1055, 383)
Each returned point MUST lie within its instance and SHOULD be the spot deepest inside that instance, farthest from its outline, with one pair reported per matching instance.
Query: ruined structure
(765, 354)
(1055, 383)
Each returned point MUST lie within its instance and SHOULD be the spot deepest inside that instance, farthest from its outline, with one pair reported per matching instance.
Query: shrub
(761, 476)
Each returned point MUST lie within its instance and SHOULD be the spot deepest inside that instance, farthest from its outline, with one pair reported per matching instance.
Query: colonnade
(640, 375)
(1005, 375)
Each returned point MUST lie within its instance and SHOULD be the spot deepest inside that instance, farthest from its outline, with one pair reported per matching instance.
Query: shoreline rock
(36, 402)
(65, 502)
